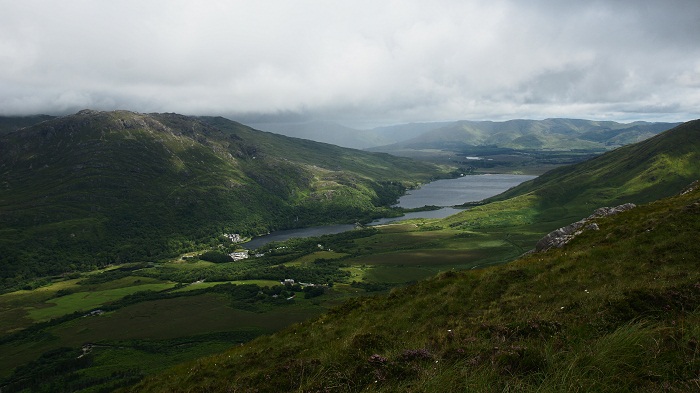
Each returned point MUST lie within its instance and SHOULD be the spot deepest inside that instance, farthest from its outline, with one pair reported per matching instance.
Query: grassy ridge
(646, 171)
(616, 310)
(655, 168)
(96, 188)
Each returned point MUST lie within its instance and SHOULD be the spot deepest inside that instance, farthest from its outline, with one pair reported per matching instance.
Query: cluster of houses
(239, 255)
(233, 237)
(290, 281)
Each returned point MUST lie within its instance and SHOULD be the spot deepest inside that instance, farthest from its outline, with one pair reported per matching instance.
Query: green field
(86, 301)
(387, 256)
(202, 285)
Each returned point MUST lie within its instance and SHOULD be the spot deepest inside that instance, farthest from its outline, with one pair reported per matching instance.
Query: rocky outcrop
(692, 187)
(564, 235)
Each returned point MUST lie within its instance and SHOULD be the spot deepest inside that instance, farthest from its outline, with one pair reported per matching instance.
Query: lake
(444, 193)
(451, 192)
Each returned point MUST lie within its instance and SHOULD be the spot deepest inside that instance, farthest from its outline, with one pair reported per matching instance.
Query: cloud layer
(359, 62)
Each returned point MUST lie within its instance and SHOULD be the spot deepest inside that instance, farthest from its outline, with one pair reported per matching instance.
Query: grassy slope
(616, 310)
(638, 173)
(105, 187)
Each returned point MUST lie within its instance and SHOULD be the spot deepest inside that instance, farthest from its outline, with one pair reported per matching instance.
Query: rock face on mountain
(562, 236)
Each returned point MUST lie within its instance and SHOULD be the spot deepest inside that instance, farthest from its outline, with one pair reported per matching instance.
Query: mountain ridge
(665, 162)
(583, 317)
(639, 173)
(523, 134)
(102, 187)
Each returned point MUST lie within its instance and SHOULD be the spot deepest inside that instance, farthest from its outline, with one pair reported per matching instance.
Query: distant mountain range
(100, 187)
(336, 134)
(327, 132)
(549, 134)
(641, 172)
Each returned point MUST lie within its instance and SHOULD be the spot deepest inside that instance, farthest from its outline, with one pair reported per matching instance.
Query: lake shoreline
(442, 198)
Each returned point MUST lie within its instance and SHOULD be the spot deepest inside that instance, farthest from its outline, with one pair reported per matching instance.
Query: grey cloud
(362, 61)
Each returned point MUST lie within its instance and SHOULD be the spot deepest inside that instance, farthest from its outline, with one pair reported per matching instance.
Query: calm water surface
(446, 193)
(451, 192)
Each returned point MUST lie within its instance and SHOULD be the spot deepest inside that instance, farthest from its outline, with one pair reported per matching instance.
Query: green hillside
(95, 188)
(578, 319)
(548, 134)
(642, 172)
(520, 146)
(502, 328)
(615, 310)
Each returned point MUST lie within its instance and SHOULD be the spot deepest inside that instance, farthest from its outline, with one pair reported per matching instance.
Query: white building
(238, 255)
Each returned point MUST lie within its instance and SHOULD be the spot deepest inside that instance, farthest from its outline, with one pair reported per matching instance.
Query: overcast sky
(361, 63)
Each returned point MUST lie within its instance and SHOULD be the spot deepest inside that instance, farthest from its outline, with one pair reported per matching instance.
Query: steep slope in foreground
(615, 310)
(103, 187)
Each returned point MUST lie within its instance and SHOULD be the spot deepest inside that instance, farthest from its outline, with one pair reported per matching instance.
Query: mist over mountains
(550, 134)
(553, 134)
(144, 144)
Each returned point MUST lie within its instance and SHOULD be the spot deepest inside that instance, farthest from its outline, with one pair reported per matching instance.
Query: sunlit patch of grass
(357, 272)
(86, 301)
(309, 258)
(209, 284)
(36, 295)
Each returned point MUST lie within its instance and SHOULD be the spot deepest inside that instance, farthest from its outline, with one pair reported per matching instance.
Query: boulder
(562, 236)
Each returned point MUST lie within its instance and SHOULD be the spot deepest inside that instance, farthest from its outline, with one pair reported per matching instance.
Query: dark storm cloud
(368, 61)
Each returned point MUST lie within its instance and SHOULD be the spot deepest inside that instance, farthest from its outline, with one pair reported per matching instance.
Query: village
(237, 255)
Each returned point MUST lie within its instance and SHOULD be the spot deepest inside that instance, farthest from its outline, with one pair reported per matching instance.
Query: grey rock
(562, 236)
